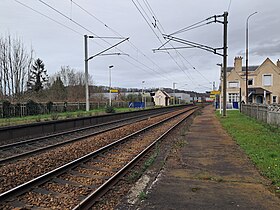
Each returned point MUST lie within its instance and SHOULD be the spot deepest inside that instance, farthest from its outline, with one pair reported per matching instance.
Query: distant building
(263, 82)
(181, 97)
(161, 98)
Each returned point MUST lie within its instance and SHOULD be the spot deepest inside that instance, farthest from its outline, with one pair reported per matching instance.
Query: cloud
(266, 49)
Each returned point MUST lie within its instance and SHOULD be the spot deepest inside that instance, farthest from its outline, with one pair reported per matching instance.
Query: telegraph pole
(225, 64)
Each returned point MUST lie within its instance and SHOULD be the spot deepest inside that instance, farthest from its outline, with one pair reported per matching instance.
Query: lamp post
(110, 84)
(142, 99)
(247, 37)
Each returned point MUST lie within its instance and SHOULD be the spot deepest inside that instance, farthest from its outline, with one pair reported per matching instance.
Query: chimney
(278, 63)
(238, 64)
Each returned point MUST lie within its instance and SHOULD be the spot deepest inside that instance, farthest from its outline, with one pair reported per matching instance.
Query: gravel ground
(17, 173)
(114, 158)
(117, 197)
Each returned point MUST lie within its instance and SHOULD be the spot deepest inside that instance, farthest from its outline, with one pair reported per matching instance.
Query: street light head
(111, 66)
(250, 16)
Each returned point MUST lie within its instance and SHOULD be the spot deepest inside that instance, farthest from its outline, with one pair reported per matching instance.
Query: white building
(161, 98)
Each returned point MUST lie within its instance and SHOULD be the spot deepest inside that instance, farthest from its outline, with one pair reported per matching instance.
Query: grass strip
(55, 116)
(261, 142)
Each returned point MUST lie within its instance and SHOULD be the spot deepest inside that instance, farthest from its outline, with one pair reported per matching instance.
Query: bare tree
(14, 66)
(73, 80)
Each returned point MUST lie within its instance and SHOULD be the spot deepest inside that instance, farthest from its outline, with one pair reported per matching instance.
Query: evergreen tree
(38, 76)
(58, 90)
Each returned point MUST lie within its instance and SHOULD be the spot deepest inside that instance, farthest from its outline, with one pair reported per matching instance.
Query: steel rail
(31, 130)
(69, 132)
(62, 169)
(89, 201)
(35, 151)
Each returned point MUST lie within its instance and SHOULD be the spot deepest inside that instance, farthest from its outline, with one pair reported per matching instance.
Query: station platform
(211, 172)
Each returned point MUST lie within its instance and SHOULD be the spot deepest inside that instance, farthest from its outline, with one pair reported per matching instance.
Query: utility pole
(110, 85)
(207, 48)
(174, 93)
(225, 64)
(91, 57)
(86, 72)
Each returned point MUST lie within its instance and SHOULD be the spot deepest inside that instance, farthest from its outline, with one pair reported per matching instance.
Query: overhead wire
(180, 55)
(229, 6)
(190, 26)
(116, 33)
(96, 36)
(194, 27)
(172, 45)
(82, 34)
(69, 18)
(157, 36)
(136, 60)
(46, 16)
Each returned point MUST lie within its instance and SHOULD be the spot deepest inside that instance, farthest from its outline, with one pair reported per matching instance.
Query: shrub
(6, 108)
(38, 118)
(80, 114)
(110, 109)
(32, 107)
(18, 110)
(69, 115)
(49, 106)
(54, 116)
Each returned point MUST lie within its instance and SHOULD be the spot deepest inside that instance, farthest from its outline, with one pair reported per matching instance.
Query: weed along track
(76, 175)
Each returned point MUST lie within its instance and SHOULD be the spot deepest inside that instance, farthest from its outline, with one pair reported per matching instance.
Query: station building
(263, 82)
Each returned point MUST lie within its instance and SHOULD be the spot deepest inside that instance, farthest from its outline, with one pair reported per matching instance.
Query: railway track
(79, 183)
(29, 147)
(12, 134)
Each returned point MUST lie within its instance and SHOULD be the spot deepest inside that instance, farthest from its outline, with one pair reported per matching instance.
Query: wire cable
(82, 34)
(229, 6)
(153, 13)
(96, 36)
(61, 24)
(157, 36)
(118, 34)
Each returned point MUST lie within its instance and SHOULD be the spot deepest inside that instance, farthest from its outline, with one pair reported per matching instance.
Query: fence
(265, 113)
(26, 109)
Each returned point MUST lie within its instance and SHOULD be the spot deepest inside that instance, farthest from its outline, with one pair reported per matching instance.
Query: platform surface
(210, 172)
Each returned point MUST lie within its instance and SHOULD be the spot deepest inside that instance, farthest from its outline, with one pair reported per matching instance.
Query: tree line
(22, 77)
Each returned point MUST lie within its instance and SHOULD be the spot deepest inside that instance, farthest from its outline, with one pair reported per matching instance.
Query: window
(250, 81)
(233, 84)
(233, 97)
(274, 99)
(267, 80)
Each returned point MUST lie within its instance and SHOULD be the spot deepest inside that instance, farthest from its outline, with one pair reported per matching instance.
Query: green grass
(53, 116)
(136, 174)
(261, 142)
(142, 196)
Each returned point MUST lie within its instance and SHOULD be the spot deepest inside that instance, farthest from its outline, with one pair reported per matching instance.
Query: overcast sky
(59, 46)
